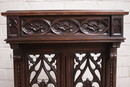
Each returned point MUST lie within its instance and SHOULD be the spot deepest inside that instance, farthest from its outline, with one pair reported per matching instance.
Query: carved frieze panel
(87, 26)
(12, 26)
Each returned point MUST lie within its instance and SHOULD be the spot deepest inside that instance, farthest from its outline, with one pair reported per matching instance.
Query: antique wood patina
(65, 48)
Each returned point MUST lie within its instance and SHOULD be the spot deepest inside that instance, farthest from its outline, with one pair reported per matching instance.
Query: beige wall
(6, 63)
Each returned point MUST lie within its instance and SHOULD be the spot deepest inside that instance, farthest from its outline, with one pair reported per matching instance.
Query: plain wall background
(6, 60)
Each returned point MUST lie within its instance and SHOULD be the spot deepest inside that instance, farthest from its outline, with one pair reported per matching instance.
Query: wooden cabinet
(65, 48)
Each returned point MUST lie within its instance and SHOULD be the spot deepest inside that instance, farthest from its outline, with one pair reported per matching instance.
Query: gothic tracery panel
(88, 69)
(42, 70)
(117, 25)
(12, 26)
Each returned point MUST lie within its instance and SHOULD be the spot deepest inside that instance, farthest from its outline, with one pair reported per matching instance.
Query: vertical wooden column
(19, 70)
(111, 65)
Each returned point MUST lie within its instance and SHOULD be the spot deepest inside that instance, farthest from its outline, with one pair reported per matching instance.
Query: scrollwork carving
(65, 26)
(36, 26)
(94, 26)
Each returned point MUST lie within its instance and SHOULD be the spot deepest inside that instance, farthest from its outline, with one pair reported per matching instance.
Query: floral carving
(87, 83)
(35, 26)
(42, 84)
(65, 26)
(94, 26)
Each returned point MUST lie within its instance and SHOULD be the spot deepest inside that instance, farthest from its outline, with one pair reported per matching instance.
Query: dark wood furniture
(65, 48)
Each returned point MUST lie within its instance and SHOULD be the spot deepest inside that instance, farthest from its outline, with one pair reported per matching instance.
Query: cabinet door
(86, 65)
(42, 66)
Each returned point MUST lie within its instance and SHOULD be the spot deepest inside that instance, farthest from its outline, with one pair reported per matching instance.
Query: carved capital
(113, 50)
(16, 52)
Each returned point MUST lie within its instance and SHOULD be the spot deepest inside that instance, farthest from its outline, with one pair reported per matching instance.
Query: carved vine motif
(65, 26)
(36, 26)
(117, 25)
(42, 70)
(87, 69)
(94, 26)
(12, 26)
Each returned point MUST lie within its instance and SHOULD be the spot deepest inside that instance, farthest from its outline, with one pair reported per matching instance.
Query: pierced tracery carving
(117, 26)
(94, 26)
(35, 26)
(65, 26)
(42, 70)
(87, 69)
(12, 26)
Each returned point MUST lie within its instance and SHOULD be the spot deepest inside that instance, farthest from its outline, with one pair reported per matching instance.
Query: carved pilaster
(113, 63)
(17, 64)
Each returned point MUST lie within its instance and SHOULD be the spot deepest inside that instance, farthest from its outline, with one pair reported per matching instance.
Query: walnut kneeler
(65, 48)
